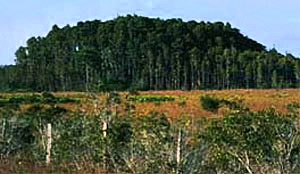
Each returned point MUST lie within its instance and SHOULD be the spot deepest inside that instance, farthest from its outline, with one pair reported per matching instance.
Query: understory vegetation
(34, 99)
(151, 98)
(242, 141)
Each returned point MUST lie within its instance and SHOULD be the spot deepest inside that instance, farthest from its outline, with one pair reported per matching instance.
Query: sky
(274, 23)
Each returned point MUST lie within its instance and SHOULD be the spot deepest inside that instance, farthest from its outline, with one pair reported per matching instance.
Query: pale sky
(270, 22)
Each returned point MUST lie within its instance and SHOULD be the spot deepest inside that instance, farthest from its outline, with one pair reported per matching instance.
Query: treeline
(141, 53)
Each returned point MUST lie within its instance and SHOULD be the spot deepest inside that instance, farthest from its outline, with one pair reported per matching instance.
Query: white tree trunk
(49, 140)
(178, 152)
(104, 129)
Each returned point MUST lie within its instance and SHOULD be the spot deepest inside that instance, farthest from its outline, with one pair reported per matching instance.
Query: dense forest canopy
(141, 53)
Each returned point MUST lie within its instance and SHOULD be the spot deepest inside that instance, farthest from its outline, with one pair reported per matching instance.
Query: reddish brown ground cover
(187, 103)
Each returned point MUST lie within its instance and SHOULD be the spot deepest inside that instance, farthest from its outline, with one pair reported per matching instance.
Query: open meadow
(181, 103)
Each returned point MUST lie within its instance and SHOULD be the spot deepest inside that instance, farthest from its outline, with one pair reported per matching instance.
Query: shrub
(210, 103)
(35, 99)
(48, 95)
(234, 103)
(293, 107)
(250, 141)
(151, 98)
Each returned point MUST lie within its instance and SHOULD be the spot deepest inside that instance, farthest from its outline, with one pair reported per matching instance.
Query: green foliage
(152, 136)
(113, 98)
(35, 99)
(293, 107)
(213, 103)
(210, 103)
(48, 95)
(280, 95)
(133, 145)
(134, 52)
(78, 139)
(240, 142)
(247, 140)
(23, 132)
(151, 98)
(234, 103)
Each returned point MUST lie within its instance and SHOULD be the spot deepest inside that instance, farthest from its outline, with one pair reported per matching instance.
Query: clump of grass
(45, 98)
(151, 98)
(292, 107)
(213, 103)
(280, 95)
(210, 102)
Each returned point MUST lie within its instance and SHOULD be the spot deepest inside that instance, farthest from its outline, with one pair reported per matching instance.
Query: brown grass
(187, 102)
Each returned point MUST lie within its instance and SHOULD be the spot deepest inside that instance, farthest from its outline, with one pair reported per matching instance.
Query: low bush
(213, 103)
(34, 99)
(293, 107)
(234, 103)
(151, 98)
(210, 103)
(245, 142)
(48, 95)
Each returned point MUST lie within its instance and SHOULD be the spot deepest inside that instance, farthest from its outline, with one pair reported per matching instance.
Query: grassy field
(187, 102)
(181, 103)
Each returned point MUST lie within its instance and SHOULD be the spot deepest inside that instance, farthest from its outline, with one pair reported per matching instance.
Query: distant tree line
(134, 52)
